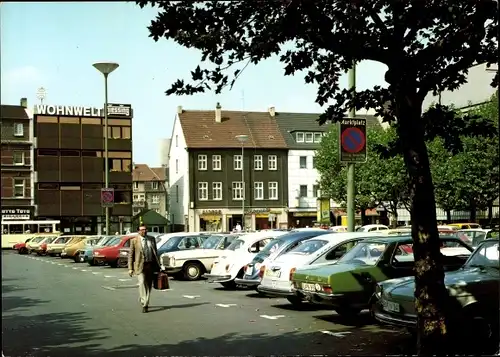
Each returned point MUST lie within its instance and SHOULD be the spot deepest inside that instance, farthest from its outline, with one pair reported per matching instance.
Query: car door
(401, 263)
(335, 252)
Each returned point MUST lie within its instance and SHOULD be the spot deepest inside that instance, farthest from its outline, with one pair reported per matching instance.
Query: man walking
(143, 262)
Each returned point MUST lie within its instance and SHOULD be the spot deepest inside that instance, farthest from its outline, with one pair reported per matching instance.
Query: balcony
(305, 202)
(120, 144)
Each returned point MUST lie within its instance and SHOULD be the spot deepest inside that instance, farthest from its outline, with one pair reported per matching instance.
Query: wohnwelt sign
(119, 110)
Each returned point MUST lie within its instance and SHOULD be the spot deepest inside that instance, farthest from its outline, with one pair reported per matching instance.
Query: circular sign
(353, 140)
(107, 196)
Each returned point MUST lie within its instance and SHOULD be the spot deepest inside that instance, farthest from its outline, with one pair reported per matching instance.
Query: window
(258, 190)
(299, 137)
(303, 162)
(272, 162)
(202, 162)
(176, 166)
(309, 138)
(177, 141)
(155, 185)
(91, 153)
(120, 165)
(303, 191)
(18, 129)
(217, 191)
(119, 132)
(136, 197)
(70, 153)
(18, 158)
(317, 137)
(216, 163)
(126, 134)
(257, 162)
(48, 152)
(314, 162)
(177, 193)
(237, 191)
(237, 162)
(273, 190)
(203, 191)
(18, 188)
(315, 190)
(136, 185)
(156, 199)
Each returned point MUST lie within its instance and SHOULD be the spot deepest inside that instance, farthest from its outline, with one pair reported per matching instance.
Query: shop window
(123, 197)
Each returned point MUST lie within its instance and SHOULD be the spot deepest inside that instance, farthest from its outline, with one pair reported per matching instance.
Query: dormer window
(299, 137)
(317, 137)
(309, 138)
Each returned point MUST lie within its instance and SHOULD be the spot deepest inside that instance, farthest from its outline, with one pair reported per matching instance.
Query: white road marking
(225, 305)
(272, 317)
(83, 270)
(53, 263)
(75, 268)
(108, 288)
(124, 279)
(336, 334)
(96, 272)
(60, 264)
(191, 296)
(109, 276)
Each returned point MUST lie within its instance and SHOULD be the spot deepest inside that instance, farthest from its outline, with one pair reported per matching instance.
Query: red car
(110, 254)
(21, 247)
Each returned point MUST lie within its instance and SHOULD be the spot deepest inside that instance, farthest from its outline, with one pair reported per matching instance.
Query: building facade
(217, 181)
(150, 189)
(70, 166)
(17, 164)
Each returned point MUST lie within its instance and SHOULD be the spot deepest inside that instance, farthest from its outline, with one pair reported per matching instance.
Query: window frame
(202, 187)
(272, 189)
(300, 162)
(258, 187)
(300, 137)
(22, 161)
(18, 129)
(202, 162)
(217, 189)
(258, 162)
(237, 159)
(17, 185)
(216, 159)
(237, 186)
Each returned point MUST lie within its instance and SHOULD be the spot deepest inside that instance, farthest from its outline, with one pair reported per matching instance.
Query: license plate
(390, 306)
(308, 287)
(249, 270)
(273, 274)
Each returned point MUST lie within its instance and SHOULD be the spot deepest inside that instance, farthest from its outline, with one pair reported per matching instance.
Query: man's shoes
(144, 309)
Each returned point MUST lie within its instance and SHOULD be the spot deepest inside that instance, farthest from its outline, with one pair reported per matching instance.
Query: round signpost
(107, 197)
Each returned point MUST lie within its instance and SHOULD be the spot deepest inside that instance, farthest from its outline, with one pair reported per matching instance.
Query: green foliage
(379, 181)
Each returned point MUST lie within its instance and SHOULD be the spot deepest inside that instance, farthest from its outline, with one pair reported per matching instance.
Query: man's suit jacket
(136, 255)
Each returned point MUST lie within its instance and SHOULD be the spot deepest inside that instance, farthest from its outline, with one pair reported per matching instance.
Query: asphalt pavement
(53, 306)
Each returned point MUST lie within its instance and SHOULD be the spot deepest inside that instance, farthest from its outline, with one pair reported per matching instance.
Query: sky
(53, 45)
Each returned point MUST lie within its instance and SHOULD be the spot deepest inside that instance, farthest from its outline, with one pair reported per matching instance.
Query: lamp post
(242, 139)
(106, 68)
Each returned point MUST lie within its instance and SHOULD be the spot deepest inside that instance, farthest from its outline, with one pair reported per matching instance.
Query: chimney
(24, 102)
(179, 109)
(218, 113)
(272, 111)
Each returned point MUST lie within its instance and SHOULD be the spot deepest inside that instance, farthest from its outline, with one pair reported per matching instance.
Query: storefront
(302, 219)
(210, 221)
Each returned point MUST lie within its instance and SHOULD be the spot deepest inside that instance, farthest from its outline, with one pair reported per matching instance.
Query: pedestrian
(238, 227)
(143, 262)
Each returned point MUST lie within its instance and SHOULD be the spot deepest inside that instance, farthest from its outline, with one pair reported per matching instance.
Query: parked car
(192, 263)
(69, 251)
(338, 228)
(55, 248)
(169, 242)
(42, 247)
(318, 251)
(477, 235)
(371, 228)
(464, 225)
(278, 246)
(473, 299)
(21, 247)
(231, 264)
(73, 251)
(85, 254)
(110, 254)
(349, 285)
(34, 243)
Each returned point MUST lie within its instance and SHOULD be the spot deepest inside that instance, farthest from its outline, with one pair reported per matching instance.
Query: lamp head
(241, 138)
(105, 67)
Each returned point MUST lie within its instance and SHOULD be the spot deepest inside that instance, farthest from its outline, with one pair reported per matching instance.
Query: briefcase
(160, 282)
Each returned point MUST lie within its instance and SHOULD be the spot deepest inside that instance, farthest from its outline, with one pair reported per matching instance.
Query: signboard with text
(352, 140)
(114, 110)
(17, 213)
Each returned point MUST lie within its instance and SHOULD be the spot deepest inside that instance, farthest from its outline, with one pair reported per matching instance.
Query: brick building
(69, 166)
(16, 162)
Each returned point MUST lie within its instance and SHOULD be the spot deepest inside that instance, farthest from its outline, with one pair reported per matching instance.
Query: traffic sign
(352, 140)
(107, 197)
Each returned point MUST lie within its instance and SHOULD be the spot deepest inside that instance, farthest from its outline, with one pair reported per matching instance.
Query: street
(52, 306)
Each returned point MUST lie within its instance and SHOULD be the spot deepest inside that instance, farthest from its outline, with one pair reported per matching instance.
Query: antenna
(41, 93)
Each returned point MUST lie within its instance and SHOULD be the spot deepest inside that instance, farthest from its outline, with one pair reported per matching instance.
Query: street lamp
(242, 139)
(106, 68)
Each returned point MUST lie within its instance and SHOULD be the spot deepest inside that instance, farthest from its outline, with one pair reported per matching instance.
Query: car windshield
(364, 252)
(236, 244)
(113, 241)
(272, 246)
(212, 242)
(309, 247)
(170, 243)
(51, 239)
(492, 234)
(485, 255)
(38, 239)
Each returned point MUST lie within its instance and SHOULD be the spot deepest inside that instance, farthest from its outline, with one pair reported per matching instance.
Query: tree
(426, 46)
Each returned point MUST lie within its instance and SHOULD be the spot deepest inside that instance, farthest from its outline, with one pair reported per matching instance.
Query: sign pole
(106, 153)
(350, 166)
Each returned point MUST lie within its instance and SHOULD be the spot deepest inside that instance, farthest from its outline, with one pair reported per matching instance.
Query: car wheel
(23, 251)
(347, 312)
(114, 264)
(294, 300)
(76, 258)
(482, 331)
(192, 271)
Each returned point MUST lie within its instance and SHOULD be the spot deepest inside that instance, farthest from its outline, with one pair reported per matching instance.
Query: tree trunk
(363, 216)
(448, 216)
(430, 292)
(490, 213)
(473, 211)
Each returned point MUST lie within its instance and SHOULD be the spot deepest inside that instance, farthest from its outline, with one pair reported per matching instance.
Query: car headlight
(171, 261)
(124, 254)
(97, 254)
(379, 289)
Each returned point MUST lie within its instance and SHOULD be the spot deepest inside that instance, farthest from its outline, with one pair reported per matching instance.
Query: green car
(473, 293)
(349, 284)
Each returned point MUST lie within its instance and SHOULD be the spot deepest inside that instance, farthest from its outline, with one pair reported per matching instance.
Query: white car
(322, 250)
(192, 263)
(231, 263)
(372, 227)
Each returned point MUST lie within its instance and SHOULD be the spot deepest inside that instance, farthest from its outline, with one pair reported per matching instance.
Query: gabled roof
(202, 131)
(144, 173)
(13, 112)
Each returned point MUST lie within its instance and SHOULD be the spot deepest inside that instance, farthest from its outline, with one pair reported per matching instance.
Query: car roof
(403, 238)
(257, 235)
(343, 236)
